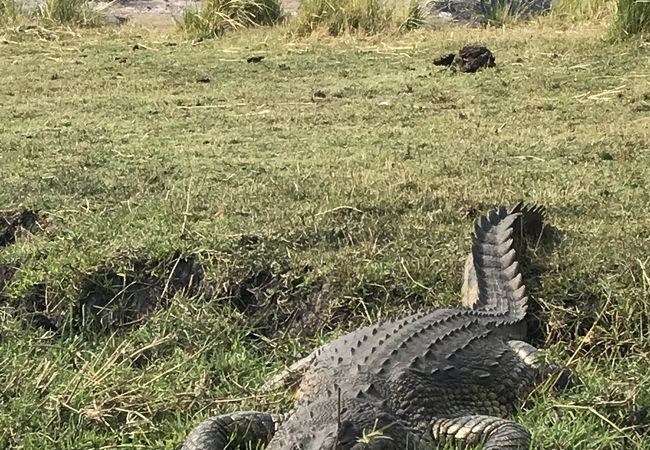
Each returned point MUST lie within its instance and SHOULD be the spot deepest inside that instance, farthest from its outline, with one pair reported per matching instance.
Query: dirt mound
(16, 224)
(36, 310)
(300, 302)
(7, 272)
(279, 300)
(111, 299)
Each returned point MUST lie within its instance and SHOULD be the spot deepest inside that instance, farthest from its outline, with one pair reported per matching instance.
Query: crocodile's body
(419, 380)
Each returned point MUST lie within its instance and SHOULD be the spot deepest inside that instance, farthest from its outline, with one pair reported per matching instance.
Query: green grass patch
(507, 12)
(202, 221)
(215, 17)
(9, 11)
(69, 12)
(632, 18)
(369, 17)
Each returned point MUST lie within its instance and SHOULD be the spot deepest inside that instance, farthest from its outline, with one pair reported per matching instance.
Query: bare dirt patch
(298, 302)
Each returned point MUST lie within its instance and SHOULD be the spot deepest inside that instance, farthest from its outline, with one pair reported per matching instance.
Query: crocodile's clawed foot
(494, 433)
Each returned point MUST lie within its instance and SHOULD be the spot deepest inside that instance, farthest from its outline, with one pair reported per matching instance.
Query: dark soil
(111, 299)
(7, 272)
(37, 311)
(280, 301)
(638, 419)
(17, 224)
(301, 303)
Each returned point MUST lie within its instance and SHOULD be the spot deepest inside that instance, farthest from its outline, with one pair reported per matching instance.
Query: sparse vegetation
(9, 11)
(415, 17)
(583, 10)
(177, 224)
(504, 12)
(215, 17)
(69, 12)
(632, 18)
(339, 17)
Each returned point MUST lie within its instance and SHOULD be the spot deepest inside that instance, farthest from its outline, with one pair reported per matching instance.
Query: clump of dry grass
(9, 11)
(339, 17)
(69, 12)
(215, 17)
(506, 12)
(582, 10)
(632, 18)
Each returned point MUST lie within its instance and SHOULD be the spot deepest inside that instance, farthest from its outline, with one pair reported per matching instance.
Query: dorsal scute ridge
(492, 235)
(512, 271)
(501, 290)
(517, 282)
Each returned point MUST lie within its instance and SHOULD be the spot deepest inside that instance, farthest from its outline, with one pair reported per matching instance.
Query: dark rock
(472, 58)
(445, 60)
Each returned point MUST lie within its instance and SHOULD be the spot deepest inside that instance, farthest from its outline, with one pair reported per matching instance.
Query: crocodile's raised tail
(493, 281)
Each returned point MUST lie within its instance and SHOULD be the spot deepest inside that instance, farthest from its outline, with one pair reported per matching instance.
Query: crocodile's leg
(497, 433)
(291, 377)
(494, 432)
(531, 356)
(233, 431)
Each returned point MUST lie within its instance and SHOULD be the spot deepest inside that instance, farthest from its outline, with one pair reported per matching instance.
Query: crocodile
(431, 378)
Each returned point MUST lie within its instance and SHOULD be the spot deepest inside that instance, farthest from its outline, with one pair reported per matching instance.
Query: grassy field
(202, 221)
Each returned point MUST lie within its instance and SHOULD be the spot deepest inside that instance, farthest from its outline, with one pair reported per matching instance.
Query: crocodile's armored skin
(417, 381)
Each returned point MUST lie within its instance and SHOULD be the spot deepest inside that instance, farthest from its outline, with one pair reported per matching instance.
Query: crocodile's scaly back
(452, 373)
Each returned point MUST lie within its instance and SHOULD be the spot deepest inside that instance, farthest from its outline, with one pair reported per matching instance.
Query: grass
(414, 17)
(51, 12)
(69, 12)
(338, 17)
(632, 18)
(215, 17)
(9, 11)
(581, 10)
(225, 197)
(507, 12)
